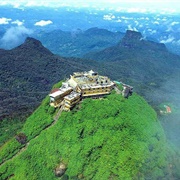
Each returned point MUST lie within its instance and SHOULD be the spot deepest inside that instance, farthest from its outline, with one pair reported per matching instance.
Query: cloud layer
(131, 5)
(17, 22)
(14, 36)
(4, 20)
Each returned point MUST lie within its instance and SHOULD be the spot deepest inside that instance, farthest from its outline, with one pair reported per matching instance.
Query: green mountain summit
(107, 138)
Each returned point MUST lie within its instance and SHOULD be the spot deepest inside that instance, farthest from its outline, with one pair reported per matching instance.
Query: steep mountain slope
(109, 138)
(78, 42)
(28, 72)
(137, 58)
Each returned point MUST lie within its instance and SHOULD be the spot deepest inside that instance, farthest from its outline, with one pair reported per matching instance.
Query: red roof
(54, 90)
(168, 109)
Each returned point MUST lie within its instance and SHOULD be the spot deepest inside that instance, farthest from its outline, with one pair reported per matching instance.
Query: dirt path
(55, 118)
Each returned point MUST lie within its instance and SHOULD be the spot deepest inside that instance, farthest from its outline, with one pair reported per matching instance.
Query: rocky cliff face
(133, 39)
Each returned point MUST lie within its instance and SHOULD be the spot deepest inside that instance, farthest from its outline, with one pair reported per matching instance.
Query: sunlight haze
(169, 5)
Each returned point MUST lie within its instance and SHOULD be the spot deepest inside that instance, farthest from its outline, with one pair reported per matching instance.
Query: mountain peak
(133, 35)
(131, 39)
(135, 40)
(32, 41)
(31, 45)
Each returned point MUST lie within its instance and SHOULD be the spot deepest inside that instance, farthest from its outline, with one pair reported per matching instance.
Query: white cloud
(174, 23)
(143, 6)
(123, 17)
(137, 23)
(137, 10)
(119, 9)
(19, 23)
(153, 32)
(141, 18)
(14, 36)
(164, 19)
(43, 23)
(4, 20)
(131, 28)
(155, 22)
(170, 39)
(118, 20)
(109, 17)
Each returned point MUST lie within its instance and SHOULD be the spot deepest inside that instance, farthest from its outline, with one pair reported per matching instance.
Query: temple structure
(78, 86)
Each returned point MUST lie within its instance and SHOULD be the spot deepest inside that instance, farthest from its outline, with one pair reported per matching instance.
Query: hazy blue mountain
(78, 42)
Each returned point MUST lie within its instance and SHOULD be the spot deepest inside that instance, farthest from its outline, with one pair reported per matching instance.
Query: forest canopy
(107, 138)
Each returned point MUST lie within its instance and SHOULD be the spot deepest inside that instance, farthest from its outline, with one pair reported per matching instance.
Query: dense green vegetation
(109, 138)
(9, 128)
(173, 152)
(33, 126)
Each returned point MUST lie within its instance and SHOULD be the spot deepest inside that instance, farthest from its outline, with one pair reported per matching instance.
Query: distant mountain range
(76, 43)
(29, 70)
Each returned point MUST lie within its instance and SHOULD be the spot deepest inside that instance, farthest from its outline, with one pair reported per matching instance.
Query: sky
(162, 24)
(172, 5)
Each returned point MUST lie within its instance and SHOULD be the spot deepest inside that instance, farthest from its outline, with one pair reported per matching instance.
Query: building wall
(95, 91)
(56, 103)
(60, 98)
(69, 104)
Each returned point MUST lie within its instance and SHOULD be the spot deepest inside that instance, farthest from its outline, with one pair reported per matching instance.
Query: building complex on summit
(81, 85)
